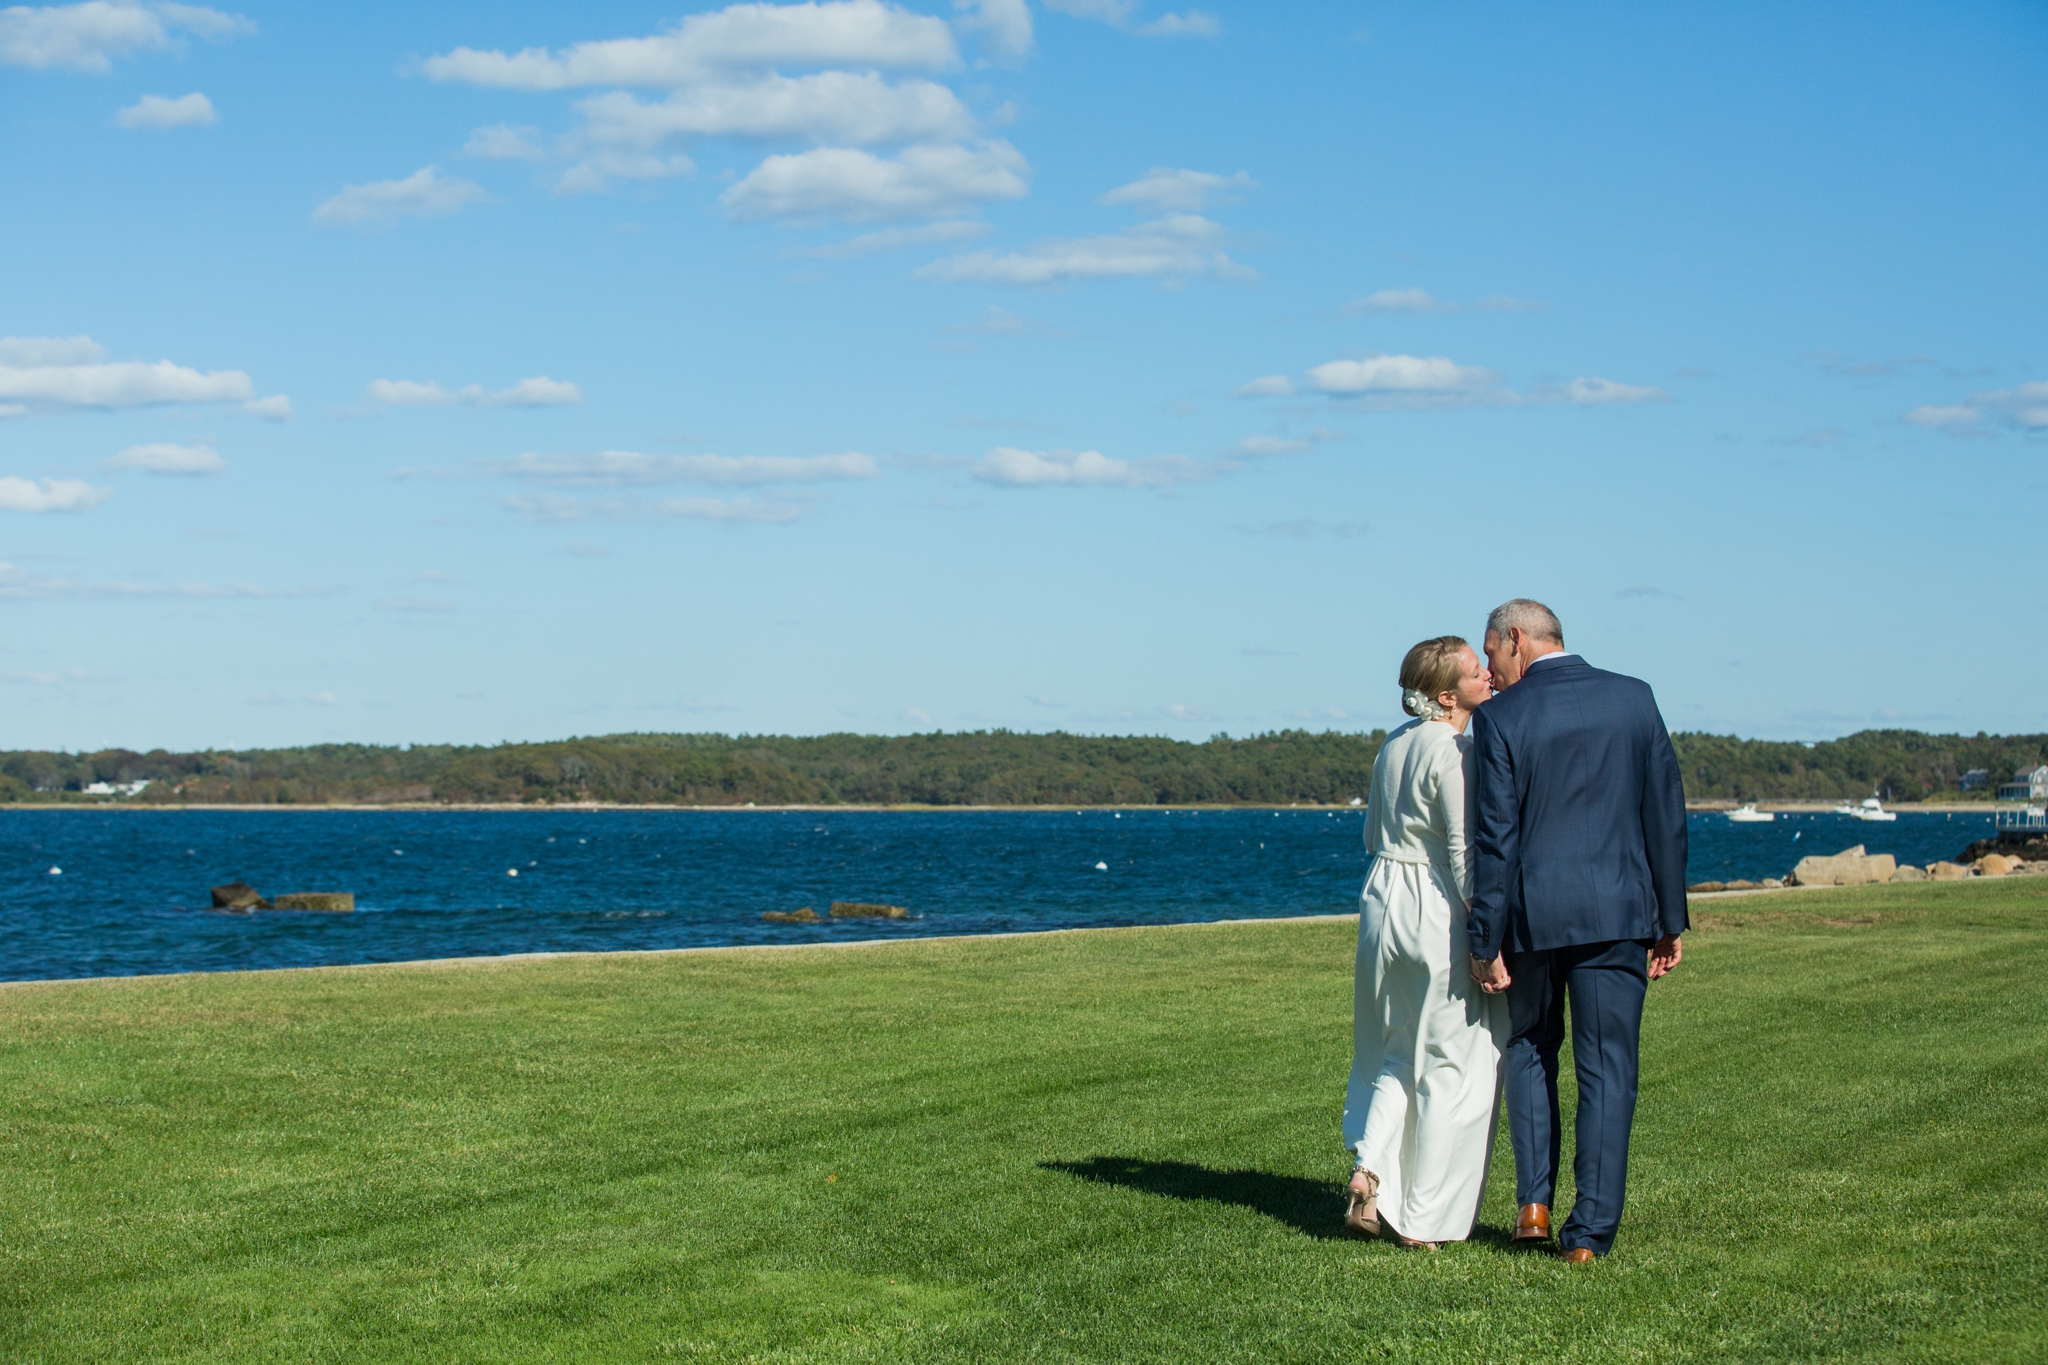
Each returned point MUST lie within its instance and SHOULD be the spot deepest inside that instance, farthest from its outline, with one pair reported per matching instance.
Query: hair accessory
(1420, 704)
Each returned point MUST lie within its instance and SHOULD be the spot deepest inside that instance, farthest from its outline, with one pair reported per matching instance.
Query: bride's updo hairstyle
(1430, 668)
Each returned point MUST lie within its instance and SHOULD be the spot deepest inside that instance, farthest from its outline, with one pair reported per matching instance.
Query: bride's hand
(1491, 974)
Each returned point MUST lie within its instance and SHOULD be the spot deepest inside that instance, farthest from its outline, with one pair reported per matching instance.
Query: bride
(1419, 1114)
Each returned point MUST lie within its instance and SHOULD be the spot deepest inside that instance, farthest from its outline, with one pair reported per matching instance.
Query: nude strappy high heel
(1362, 1215)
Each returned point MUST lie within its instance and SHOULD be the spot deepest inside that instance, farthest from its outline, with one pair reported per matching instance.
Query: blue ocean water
(131, 892)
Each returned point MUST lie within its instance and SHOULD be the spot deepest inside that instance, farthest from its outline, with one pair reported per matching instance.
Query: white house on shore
(2028, 784)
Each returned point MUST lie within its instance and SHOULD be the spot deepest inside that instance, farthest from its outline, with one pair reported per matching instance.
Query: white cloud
(1401, 374)
(57, 373)
(276, 408)
(426, 193)
(19, 585)
(48, 495)
(169, 459)
(858, 33)
(625, 137)
(156, 111)
(537, 392)
(1175, 247)
(1267, 386)
(1259, 447)
(599, 166)
(418, 605)
(1005, 26)
(1108, 11)
(2024, 406)
(28, 351)
(1016, 468)
(503, 142)
(847, 183)
(1422, 301)
(1929, 415)
(1267, 445)
(1163, 189)
(1399, 301)
(87, 37)
(1194, 24)
(1594, 392)
(826, 106)
(895, 239)
(553, 508)
(627, 468)
(409, 393)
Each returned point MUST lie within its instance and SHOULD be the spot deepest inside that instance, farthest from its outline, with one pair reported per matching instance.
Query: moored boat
(1750, 815)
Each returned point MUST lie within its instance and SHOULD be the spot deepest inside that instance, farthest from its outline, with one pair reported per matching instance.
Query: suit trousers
(1605, 984)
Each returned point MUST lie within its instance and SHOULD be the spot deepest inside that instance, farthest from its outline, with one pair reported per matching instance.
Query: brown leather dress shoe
(1534, 1224)
(1579, 1256)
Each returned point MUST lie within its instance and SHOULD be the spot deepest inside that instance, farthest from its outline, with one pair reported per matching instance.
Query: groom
(1578, 894)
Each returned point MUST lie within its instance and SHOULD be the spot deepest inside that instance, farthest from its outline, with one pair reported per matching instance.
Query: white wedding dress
(1425, 1077)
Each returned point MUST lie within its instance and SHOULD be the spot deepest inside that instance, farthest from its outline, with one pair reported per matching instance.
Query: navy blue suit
(1578, 840)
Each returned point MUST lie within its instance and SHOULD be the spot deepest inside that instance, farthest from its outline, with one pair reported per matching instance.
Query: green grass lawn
(1118, 1145)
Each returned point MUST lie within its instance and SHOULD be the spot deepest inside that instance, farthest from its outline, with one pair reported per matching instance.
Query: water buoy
(1099, 867)
(511, 871)
(56, 872)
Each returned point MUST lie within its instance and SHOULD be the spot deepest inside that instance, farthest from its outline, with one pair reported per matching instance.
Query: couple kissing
(1529, 845)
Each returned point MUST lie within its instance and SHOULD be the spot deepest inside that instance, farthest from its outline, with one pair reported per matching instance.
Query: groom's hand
(1667, 954)
(1491, 974)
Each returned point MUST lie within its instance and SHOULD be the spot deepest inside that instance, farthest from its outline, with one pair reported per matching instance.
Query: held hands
(1667, 954)
(1491, 974)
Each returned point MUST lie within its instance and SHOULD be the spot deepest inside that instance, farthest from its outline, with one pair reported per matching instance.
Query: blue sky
(479, 372)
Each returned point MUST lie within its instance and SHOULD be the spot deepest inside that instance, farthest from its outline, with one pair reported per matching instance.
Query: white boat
(1750, 815)
(1873, 810)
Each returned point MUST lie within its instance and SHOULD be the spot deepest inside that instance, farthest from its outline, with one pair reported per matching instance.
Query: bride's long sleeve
(1450, 795)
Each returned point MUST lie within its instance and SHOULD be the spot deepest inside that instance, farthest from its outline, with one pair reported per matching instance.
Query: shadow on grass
(1314, 1208)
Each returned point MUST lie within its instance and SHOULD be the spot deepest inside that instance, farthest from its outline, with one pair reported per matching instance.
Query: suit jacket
(1577, 827)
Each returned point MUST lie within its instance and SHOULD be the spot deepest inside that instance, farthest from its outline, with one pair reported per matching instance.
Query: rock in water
(803, 916)
(1850, 867)
(316, 900)
(2013, 843)
(863, 910)
(1947, 872)
(238, 896)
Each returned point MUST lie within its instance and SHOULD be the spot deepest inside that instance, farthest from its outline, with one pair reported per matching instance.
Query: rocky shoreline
(2008, 855)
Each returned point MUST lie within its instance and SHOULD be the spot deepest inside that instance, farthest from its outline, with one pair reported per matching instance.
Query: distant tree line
(983, 768)
(1898, 765)
(997, 768)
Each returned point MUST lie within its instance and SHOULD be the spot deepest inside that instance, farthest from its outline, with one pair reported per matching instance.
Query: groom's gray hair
(1532, 618)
